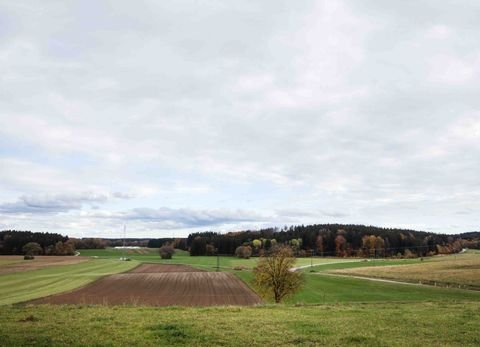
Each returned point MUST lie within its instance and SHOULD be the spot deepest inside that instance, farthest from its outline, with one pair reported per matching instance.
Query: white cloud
(439, 32)
(47, 203)
(453, 70)
(348, 111)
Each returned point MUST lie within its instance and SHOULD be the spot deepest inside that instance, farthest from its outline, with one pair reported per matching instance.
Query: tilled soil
(164, 287)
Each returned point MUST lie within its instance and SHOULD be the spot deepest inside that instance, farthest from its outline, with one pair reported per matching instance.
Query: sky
(172, 117)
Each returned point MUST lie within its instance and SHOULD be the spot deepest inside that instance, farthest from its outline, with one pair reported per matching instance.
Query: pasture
(209, 263)
(329, 310)
(373, 324)
(15, 263)
(27, 285)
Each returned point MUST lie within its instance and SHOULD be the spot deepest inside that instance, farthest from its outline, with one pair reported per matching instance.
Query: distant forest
(13, 242)
(334, 240)
(342, 240)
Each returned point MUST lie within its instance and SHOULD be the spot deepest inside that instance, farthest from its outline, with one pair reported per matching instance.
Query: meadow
(209, 263)
(373, 324)
(27, 285)
(329, 310)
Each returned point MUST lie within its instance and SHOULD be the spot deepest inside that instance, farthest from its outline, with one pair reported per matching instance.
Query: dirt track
(161, 285)
(40, 262)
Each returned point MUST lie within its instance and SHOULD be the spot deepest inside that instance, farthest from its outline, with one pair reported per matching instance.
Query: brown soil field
(161, 285)
(15, 263)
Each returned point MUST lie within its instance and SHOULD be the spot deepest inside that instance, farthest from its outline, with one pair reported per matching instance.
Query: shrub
(243, 252)
(166, 252)
(408, 254)
(210, 250)
(32, 248)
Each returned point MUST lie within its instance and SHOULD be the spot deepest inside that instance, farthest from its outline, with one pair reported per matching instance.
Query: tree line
(13, 242)
(343, 240)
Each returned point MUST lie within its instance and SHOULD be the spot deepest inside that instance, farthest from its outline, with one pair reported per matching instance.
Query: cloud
(169, 218)
(121, 195)
(300, 111)
(57, 203)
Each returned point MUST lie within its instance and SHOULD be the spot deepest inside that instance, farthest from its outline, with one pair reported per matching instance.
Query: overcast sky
(180, 116)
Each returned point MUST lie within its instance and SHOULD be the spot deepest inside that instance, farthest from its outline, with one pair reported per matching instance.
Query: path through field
(161, 285)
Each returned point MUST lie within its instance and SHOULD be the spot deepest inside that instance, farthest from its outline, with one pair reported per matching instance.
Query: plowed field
(161, 285)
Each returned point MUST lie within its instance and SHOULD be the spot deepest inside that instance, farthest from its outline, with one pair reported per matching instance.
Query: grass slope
(150, 255)
(320, 288)
(22, 286)
(457, 270)
(428, 324)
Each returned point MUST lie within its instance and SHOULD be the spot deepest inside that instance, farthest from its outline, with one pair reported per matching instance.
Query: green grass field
(407, 324)
(318, 288)
(150, 255)
(321, 288)
(22, 286)
(329, 310)
(7, 262)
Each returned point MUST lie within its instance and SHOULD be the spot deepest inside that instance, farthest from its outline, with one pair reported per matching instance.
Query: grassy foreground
(432, 324)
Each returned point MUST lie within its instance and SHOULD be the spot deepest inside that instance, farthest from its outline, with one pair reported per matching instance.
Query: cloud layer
(177, 115)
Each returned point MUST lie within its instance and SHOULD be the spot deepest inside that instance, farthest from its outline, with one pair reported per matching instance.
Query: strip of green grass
(117, 253)
(320, 288)
(22, 286)
(330, 289)
(407, 324)
(7, 262)
(151, 255)
(350, 264)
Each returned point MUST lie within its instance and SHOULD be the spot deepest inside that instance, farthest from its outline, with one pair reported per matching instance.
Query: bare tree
(274, 277)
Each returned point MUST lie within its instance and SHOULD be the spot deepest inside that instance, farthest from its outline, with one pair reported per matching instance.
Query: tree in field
(243, 252)
(32, 248)
(210, 250)
(273, 277)
(166, 252)
(340, 245)
(319, 244)
(256, 243)
(61, 248)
